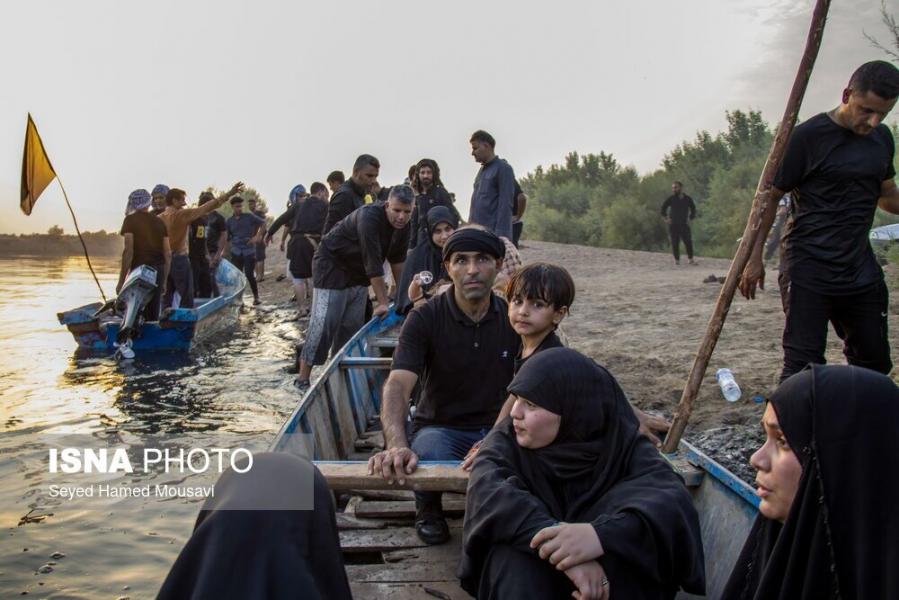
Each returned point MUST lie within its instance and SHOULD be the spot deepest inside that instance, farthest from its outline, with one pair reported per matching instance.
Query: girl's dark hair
(544, 281)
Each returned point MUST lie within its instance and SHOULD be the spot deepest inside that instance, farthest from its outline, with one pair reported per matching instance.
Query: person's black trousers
(247, 264)
(202, 277)
(860, 319)
(678, 232)
(517, 228)
(181, 280)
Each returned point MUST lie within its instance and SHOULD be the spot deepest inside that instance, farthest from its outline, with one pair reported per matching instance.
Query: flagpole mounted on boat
(37, 174)
(759, 202)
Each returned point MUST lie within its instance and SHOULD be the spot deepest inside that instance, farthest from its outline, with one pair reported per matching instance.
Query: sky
(193, 93)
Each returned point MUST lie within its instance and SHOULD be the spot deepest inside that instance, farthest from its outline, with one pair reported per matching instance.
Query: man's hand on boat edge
(393, 464)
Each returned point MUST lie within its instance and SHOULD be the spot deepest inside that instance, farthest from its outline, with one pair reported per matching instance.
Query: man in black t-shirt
(462, 347)
(198, 250)
(678, 210)
(838, 168)
(349, 259)
(351, 195)
(146, 243)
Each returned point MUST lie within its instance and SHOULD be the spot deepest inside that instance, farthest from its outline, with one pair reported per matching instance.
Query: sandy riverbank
(643, 318)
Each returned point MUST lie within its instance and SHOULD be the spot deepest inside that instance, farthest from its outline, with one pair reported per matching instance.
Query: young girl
(567, 497)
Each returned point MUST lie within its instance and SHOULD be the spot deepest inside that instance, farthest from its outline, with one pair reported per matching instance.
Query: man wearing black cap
(462, 346)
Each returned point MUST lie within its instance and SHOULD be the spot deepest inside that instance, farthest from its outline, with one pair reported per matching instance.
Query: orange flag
(37, 172)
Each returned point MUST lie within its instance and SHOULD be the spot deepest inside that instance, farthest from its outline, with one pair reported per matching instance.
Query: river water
(231, 392)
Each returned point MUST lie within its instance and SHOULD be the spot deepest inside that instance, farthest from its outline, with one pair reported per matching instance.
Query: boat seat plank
(374, 509)
(383, 342)
(385, 495)
(411, 572)
(365, 362)
(441, 590)
(428, 477)
(692, 475)
(366, 540)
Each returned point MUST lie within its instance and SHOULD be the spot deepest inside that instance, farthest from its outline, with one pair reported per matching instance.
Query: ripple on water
(231, 389)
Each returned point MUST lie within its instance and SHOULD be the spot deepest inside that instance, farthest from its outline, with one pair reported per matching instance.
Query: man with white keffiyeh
(146, 243)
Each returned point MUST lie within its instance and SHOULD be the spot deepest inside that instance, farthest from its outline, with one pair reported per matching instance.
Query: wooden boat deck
(336, 423)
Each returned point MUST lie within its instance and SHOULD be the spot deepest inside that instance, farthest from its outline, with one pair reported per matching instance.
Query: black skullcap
(474, 240)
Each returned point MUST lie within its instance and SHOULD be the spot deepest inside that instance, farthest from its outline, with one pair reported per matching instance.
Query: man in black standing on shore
(678, 210)
(838, 168)
(430, 193)
(351, 195)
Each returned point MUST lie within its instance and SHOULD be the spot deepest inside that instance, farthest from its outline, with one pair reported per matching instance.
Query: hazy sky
(194, 93)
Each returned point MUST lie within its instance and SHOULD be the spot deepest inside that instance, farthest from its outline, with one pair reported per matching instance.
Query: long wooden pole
(759, 202)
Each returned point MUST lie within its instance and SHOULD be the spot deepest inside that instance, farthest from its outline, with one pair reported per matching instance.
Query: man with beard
(351, 195)
(838, 168)
(431, 193)
(158, 196)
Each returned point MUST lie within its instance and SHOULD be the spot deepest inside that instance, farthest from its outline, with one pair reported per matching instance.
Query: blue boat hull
(179, 330)
(345, 400)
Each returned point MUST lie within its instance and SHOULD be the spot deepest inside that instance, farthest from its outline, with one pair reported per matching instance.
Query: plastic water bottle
(728, 385)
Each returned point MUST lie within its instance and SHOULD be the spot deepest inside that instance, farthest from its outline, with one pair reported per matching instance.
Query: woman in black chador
(829, 522)
(566, 496)
(426, 257)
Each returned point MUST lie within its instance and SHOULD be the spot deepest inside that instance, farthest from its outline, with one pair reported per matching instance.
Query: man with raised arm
(838, 168)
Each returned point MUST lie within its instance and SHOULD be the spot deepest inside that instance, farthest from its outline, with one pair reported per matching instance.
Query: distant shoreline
(42, 244)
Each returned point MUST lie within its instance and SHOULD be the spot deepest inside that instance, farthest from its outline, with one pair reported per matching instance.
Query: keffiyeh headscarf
(138, 200)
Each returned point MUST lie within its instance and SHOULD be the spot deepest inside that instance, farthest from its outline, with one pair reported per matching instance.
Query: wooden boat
(336, 423)
(178, 330)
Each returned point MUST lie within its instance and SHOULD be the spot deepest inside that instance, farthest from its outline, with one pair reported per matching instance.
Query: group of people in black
(567, 494)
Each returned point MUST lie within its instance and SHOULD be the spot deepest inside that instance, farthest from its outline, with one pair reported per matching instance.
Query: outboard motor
(137, 290)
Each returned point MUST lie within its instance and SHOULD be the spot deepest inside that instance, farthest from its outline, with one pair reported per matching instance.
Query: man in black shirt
(304, 219)
(198, 251)
(462, 346)
(351, 195)
(335, 180)
(431, 193)
(349, 259)
(838, 168)
(146, 243)
(678, 210)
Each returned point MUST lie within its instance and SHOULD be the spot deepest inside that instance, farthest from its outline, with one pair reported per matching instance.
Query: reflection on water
(231, 389)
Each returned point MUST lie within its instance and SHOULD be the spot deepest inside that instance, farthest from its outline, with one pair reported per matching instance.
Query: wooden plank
(426, 478)
(394, 510)
(379, 540)
(386, 495)
(349, 522)
(441, 590)
(383, 342)
(321, 427)
(692, 475)
(365, 362)
(343, 413)
(405, 573)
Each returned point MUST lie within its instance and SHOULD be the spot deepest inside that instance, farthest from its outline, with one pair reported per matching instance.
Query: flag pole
(778, 148)
(80, 238)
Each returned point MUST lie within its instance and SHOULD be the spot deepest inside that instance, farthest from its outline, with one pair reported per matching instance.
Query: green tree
(56, 231)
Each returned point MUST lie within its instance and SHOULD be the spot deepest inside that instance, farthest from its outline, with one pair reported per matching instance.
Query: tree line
(593, 200)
